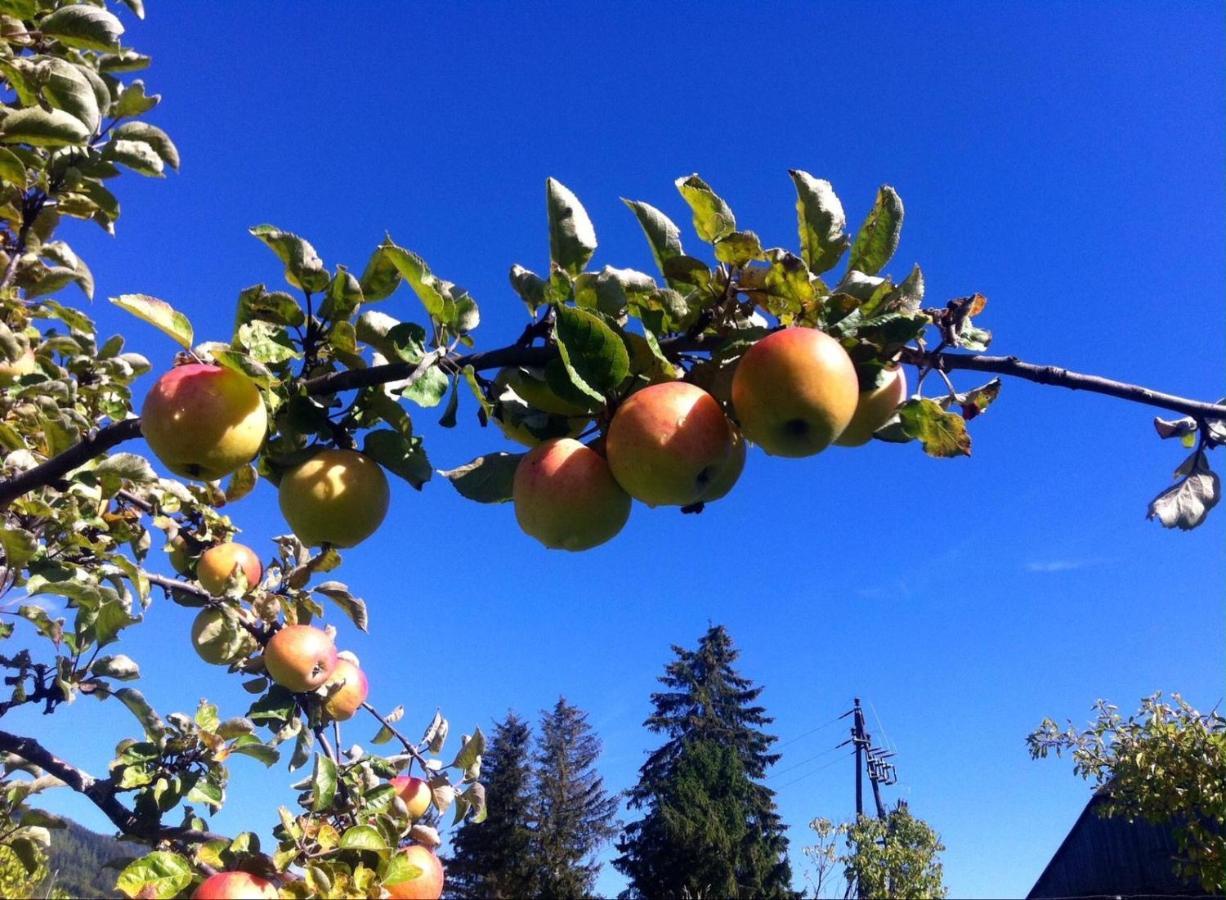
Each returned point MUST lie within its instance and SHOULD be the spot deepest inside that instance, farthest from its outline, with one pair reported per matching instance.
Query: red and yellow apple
(300, 657)
(415, 793)
(204, 421)
(336, 497)
(219, 640)
(347, 688)
(726, 477)
(668, 442)
(428, 885)
(794, 392)
(217, 564)
(235, 886)
(566, 497)
(874, 408)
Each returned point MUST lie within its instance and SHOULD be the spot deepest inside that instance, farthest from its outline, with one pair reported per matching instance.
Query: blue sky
(1064, 159)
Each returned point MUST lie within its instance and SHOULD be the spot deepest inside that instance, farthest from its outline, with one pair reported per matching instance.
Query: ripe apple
(723, 480)
(794, 392)
(415, 793)
(426, 886)
(566, 498)
(348, 686)
(219, 641)
(300, 657)
(667, 442)
(11, 370)
(874, 409)
(217, 563)
(235, 886)
(204, 421)
(336, 497)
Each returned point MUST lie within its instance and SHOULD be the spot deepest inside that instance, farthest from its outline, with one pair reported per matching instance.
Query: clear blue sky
(1064, 159)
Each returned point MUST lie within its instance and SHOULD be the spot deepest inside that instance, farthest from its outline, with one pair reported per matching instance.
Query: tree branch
(517, 355)
(1060, 377)
(101, 793)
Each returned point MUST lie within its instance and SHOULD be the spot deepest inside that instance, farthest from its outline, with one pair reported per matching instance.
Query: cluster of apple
(205, 422)
(793, 393)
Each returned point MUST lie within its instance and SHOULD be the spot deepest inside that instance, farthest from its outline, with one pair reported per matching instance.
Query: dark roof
(1113, 857)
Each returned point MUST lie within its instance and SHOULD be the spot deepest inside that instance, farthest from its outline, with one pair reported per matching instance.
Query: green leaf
(123, 468)
(19, 546)
(942, 433)
(241, 483)
(380, 278)
(403, 456)
(429, 388)
(738, 248)
(155, 137)
(399, 870)
(66, 87)
(323, 783)
(353, 607)
(428, 288)
(364, 837)
(250, 745)
(82, 26)
(303, 267)
(470, 750)
(712, 217)
(343, 298)
(278, 307)
(487, 479)
(12, 169)
(119, 667)
(572, 239)
(822, 222)
(133, 101)
(160, 874)
(594, 354)
(159, 314)
(42, 128)
(135, 701)
(529, 286)
(878, 237)
(663, 235)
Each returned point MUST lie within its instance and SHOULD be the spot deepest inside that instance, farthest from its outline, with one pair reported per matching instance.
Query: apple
(667, 442)
(795, 391)
(12, 370)
(204, 421)
(217, 563)
(180, 553)
(428, 885)
(219, 641)
(874, 408)
(415, 793)
(235, 886)
(348, 688)
(566, 497)
(723, 480)
(336, 497)
(300, 657)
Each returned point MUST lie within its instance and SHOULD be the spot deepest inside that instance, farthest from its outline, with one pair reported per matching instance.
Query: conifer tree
(706, 703)
(493, 858)
(573, 813)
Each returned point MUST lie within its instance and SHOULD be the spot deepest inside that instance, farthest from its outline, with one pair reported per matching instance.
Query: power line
(818, 769)
(807, 733)
(799, 764)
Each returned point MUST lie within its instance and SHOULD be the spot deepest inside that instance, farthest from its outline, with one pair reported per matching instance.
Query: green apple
(336, 497)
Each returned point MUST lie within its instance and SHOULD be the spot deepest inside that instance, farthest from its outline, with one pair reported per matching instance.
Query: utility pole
(868, 758)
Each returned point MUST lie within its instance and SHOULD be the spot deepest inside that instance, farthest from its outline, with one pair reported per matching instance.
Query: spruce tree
(573, 814)
(707, 703)
(493, 858)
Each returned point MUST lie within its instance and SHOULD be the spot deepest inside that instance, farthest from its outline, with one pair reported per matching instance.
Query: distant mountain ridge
(77, 861)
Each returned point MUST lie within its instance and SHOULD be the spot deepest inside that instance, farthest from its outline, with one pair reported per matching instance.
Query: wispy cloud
(1049, 566)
